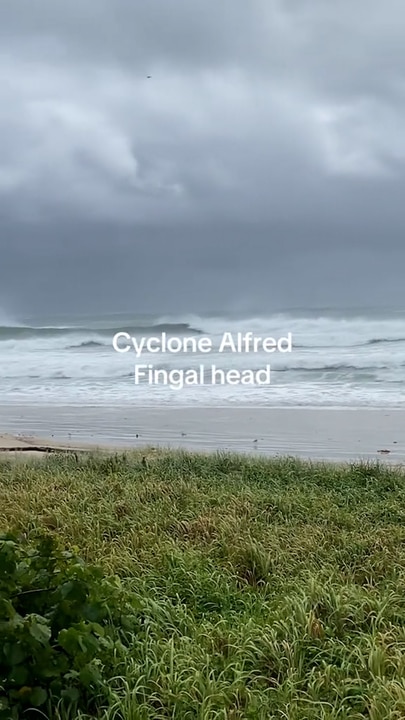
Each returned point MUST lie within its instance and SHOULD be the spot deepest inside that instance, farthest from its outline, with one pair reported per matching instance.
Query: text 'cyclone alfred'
(202, 373)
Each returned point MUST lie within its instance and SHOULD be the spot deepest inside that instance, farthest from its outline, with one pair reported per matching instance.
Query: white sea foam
(346, 359)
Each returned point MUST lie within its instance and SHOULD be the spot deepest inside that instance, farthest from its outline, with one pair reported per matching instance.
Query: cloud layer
(268, 134)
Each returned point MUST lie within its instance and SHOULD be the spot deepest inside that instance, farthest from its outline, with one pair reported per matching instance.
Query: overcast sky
(261, 166)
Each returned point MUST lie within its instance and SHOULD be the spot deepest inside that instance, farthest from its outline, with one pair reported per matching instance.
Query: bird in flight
(149, 76)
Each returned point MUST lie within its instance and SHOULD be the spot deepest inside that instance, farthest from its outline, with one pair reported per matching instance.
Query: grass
(267, 588)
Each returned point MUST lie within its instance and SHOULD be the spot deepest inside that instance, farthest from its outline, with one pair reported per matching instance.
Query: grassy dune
(267, 588)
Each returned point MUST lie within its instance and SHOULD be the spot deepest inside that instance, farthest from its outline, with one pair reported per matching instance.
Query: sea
(339, 358)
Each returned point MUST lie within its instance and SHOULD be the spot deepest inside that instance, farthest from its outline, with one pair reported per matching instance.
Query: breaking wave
(334, 358)
(18, 332)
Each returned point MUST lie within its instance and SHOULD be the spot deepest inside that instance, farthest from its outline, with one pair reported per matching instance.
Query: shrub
(59, 628)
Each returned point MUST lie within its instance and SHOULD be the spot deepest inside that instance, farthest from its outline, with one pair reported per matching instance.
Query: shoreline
(326, 434)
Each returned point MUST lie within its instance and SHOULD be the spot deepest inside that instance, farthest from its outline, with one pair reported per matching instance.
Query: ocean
(348, 358)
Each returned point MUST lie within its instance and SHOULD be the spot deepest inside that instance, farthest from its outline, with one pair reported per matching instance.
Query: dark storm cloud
(268, 141)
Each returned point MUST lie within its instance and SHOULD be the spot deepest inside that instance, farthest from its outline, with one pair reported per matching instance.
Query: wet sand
(318, 434)
(31, 446)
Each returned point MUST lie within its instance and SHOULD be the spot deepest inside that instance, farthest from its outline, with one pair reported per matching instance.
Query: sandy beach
(30, 446)
(318, 434)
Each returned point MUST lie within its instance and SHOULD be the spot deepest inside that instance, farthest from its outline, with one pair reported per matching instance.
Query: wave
(331, 368)
(378, 341)
(373, 341)
(18, 332)
(86, 344)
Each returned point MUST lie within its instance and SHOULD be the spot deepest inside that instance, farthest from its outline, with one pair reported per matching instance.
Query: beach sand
(30, 446)
(318, 434)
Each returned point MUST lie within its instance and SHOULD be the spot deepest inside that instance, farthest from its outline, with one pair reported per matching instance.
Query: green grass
(266, 588)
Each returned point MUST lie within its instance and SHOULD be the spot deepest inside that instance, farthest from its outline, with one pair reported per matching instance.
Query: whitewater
(339, 359)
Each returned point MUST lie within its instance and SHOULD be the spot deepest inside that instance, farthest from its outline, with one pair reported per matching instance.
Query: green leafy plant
(58, 628)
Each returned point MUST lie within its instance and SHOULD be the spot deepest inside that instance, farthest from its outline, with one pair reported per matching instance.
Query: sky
(191, 155)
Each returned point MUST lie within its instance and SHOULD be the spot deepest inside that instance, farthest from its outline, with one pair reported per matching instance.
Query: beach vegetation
(207, 587)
